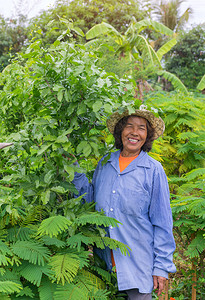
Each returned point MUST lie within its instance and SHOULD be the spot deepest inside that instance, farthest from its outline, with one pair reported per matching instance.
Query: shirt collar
(141, 161)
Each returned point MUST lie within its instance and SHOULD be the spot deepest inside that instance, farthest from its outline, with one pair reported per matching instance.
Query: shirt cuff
(160, 272)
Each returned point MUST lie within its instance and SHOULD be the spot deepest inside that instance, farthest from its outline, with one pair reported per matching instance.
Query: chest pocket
(134, 202)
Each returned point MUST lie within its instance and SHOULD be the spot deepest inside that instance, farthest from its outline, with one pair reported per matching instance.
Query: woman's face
(134, 135)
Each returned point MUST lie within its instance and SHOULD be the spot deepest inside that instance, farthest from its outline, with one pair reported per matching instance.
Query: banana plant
(136, 45)
(133, 42)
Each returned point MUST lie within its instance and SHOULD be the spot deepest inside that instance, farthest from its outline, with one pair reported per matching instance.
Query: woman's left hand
(159, 284)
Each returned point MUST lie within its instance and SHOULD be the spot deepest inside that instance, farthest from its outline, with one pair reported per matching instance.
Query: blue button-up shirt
(138, 197)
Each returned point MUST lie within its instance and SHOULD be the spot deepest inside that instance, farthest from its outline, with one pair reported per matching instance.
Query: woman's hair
(118, 135)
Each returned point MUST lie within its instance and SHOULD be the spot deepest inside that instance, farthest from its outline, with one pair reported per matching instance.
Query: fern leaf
(97, 219)
(99, 242)
(4, 249)
(70, 292)
(33, 273)
(47, 289)
(9, 287)
(4, 297)
(175, 81)
(195, 174)
(101, 295)
(103, 273)
(65, 267)
(54, 225)
(34, 252)
(4, 260)
(47, 240)
(197, 246)
(26, 291)
(201, 85)
(19, 234)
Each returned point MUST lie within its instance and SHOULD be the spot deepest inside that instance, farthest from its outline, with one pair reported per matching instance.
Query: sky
(7, 8)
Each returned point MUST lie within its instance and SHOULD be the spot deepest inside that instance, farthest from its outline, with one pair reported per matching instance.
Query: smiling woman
(132, 187)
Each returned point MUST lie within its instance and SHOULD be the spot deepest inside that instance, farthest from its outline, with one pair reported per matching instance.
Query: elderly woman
(132, 188)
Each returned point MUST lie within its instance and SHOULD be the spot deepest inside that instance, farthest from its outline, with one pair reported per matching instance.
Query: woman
(132, 188)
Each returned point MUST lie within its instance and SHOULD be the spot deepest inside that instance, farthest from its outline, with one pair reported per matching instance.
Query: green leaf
(97, 106)
(45, 197)
(9, 287)
(201, 85)
(166, 48)
(32, 251)
(176, 82)
(70, 170)
(53, 226)
(65, 267)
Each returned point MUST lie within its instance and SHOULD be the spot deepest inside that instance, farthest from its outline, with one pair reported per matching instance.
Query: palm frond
(175, 81)
(65, 267)
(32, 251)
(54, 225)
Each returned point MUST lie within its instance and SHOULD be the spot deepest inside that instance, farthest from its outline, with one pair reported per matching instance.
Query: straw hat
(156, 123)
(3, 145)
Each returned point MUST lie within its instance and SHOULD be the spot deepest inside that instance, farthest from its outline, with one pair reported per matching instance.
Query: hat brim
(156, 123)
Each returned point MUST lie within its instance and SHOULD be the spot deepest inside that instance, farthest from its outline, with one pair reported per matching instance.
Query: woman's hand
(159, 284)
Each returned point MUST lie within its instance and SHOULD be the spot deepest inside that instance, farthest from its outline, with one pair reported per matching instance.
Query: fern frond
(9, 287)
(26, 291)
(33, 273)
(99, 242)
(97, 219)
(47, 289)
(101, 295)
(65, 267)
(52, 241)
(4, 249)
(196, 173)
(197, 246)
(54, 225)
(19, 234)
(34, 252)
(69, 292)
(103, 273)
(4, 260)
(4, 297)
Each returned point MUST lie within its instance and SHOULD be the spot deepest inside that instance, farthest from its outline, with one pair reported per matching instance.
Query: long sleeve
(161, 219)
(83, 186)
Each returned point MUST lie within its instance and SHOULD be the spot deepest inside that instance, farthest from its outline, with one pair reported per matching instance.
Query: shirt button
(118, 175)
(111, 209)
(114, 192)
(111, 227)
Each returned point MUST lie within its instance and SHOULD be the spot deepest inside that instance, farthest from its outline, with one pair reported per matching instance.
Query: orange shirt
(123, 163)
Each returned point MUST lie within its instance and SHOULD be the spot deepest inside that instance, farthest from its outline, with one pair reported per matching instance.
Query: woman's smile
(134, 136)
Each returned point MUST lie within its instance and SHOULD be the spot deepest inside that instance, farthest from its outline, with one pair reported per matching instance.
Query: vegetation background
(62, 73)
